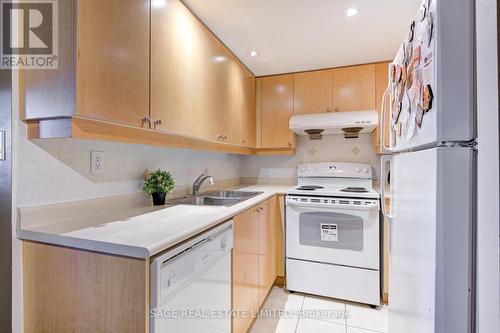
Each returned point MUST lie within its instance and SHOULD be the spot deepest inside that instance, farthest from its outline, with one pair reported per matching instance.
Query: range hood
(349, 123)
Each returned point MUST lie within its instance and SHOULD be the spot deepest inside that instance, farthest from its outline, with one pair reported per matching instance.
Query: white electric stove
(333, 232)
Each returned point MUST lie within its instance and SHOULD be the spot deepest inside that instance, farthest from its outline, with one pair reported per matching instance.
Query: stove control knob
(358, 169)
(302, 168)
(308, 169)
(365, 170)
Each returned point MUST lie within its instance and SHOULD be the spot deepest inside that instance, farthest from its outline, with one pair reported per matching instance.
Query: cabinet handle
(224, 137)
(289, 144)
(144, 120)
(156, 123)
(243, 141)
(328, 109)
(336, 110)
(219, 137)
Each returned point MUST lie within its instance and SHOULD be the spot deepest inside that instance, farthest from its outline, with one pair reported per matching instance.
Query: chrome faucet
(199, 181)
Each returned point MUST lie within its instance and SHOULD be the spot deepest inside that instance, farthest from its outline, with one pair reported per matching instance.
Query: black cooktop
(309, 187)
(354, 189)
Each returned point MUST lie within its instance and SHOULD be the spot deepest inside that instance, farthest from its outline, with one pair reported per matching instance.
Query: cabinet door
(354, 88)
(312, 92)
(112, 76)
(245, 268)
(245, 113)
(267, 247)
(381, 82)
(276, 110)
(171, 66)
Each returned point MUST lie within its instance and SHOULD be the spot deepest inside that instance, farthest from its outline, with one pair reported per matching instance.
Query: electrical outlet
(96, 162)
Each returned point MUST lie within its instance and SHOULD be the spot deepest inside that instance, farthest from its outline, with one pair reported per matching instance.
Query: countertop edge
(138, 251)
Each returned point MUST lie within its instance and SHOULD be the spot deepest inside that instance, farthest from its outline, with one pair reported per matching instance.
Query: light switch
(2, 145)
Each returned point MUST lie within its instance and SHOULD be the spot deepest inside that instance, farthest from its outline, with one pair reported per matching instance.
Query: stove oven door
(342, 236)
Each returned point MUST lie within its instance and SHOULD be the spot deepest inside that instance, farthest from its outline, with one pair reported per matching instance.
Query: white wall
(333, 148)
(488, 247)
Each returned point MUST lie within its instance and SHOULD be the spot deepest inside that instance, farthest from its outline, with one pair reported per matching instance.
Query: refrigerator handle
(383, 162)
(384, 149)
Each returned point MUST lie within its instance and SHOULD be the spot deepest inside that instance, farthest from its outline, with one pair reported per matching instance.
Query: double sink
(216, 198)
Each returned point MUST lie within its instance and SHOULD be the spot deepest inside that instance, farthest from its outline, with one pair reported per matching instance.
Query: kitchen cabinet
(381, 82)
(313, 92)
(71, 290)
(254, 260)
(245, 268)
(354, 88)
(267, 247)
(198, 87)
(112, 66)
(276, 99)
(163, 80)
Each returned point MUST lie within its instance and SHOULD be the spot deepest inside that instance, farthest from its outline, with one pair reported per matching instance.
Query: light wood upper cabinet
(381, 82)
(198, 87)
(172, 68)
(112, 70)
(245, 267)
(267, 247)
(246, 116)
(312, 92)
(276, 98)
(354, 88)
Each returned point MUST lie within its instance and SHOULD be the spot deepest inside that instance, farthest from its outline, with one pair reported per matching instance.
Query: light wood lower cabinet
(70, 290)
(254, 261)
(245, 269)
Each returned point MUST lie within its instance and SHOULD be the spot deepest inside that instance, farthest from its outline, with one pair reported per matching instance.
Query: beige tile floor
(297, 313)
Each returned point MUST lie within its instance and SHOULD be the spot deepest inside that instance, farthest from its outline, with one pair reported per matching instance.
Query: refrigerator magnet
(429, 30)
(409, 76)
(422, 13)
(392, 70)
(404, 73)
(417, 55)
(411, 33)
(419, 116)
(398, 74)
(427, 98)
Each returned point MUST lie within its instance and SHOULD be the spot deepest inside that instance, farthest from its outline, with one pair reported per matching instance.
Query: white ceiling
(298, 35)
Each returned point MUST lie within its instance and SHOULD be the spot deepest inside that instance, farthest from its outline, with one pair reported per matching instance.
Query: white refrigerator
(431, 157)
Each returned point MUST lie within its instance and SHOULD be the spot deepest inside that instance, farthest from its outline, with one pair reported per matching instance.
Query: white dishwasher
(191, 285)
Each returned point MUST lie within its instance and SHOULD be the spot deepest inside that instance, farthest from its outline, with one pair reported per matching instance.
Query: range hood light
(315, 134)
(351, 132)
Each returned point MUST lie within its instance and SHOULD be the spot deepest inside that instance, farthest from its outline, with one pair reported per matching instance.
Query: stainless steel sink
(231, 194)
(215, 198)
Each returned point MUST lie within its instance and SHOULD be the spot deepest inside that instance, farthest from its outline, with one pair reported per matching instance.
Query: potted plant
(158, 183)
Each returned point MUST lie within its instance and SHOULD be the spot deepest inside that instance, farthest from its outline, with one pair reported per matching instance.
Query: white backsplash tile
(332, 148)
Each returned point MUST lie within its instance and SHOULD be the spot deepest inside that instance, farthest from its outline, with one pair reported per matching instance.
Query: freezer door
(431, 241)
(447, 65)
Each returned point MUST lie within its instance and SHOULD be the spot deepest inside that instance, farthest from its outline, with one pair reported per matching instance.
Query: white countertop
(141, 232)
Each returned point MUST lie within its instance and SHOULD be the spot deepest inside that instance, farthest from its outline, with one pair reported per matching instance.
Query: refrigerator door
(446, 64)
(431, 241)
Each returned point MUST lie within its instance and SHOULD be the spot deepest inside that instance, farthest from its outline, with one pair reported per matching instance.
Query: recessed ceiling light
(350, 12)
(254, 53)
